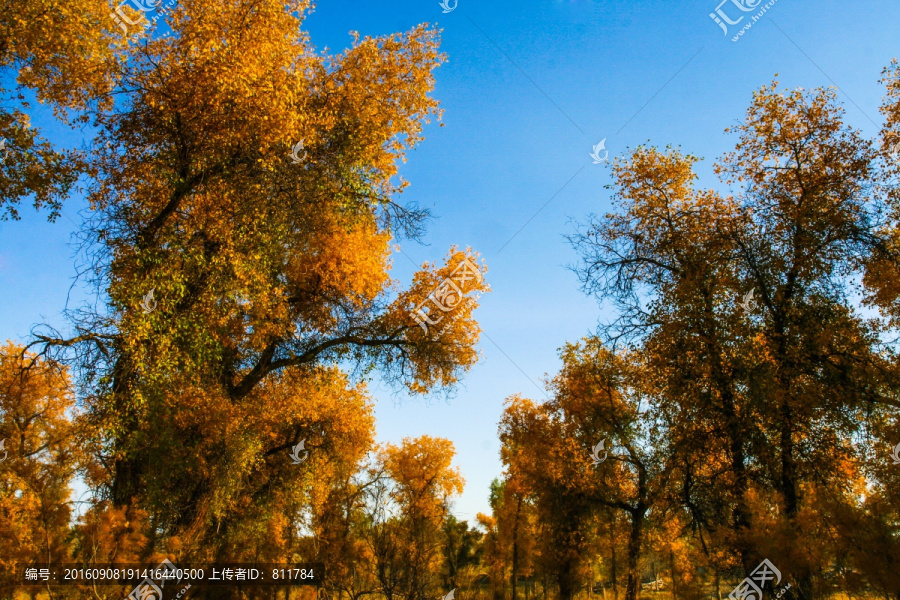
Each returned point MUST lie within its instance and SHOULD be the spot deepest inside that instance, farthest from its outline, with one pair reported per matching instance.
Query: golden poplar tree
(41, 452)
(244, 202)
(767, 373)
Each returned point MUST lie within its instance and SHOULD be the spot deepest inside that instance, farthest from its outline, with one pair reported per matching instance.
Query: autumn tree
(422, 481)
(586, 454)
(744, 308)
(602, 392)
(655, 245)
(39, 455)
(243, 208)
(511, 538)
(538, 449)
(343, 525)
(462, 550)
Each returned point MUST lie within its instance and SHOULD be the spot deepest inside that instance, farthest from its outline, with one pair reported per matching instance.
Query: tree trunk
(672, 574)
(633, 587)
(741, 513)
(788, 486)
(126, 469)
(613, 573)
(514, 576)
(735, 433)
(566, 581)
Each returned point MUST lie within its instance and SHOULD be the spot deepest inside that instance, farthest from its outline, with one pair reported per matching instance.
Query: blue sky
(528, 89)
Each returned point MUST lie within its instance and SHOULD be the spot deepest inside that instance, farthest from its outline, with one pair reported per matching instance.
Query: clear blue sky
(529, 88)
